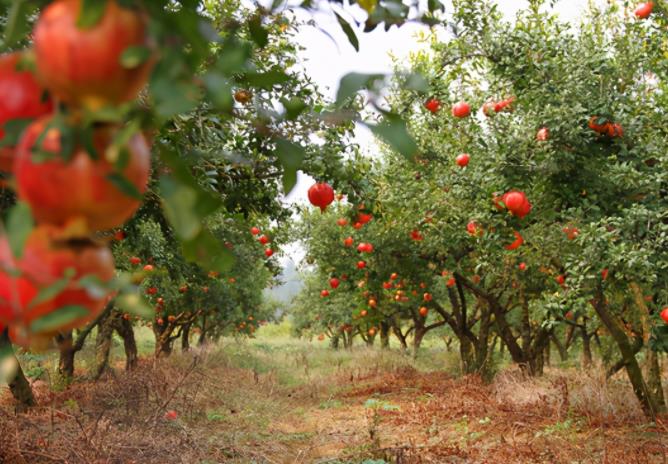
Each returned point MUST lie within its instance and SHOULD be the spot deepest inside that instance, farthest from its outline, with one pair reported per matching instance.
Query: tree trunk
(467, 356)
(653, 368)
(418, 336)
(124, 329)
(185, 338)
(384, 335)
(103, 340)
(334, 341)
(648, 402)
(202, 334)
(401, 337)
(561, 348)
(66, 359)
(586, 348)
(18, 384)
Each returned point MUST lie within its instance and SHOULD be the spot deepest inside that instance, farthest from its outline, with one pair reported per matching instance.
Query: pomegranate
(571, 232)
(543, 134)
(372, 332)
(324, 293)
(82, 66)
(387, 285)
(364, 218)
(664, 314)
(348, 241)
(361, 264)
(596, 127)
(516, 244)
(21, 97)
(462, 160)
(416, 235)
(342, 222)
(427, 297)
(473, 228)
(254, 230)
(148, 268)
(433, 105)
(604, 274)
(263, 239)
(268, 252)
(488, 109)
(79, 188)
(461, 109)
(135, 261)
(451, 282)
(334, 283)
(321, 195)
(560, 279)
(643, 10)
(394, 276)
(423, 311)
(48, 258)
(522, 266)
(504, 105)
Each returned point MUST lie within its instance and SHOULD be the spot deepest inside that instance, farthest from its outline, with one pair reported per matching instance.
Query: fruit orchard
(517, 202)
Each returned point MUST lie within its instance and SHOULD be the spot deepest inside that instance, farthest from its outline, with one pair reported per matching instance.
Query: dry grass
(292, 402)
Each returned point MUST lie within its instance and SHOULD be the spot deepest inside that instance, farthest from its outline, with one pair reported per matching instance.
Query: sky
(329, 56)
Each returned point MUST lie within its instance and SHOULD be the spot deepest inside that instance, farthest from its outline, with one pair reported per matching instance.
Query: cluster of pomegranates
(68, 171)
(264, 240)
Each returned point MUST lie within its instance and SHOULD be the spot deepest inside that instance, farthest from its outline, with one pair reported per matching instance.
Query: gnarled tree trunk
(18, 384)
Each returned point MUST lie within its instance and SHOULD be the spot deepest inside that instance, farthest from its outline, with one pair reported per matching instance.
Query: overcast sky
(327, 60)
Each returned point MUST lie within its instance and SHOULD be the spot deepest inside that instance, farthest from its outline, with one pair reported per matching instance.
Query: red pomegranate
(334, 283)
(433, 105)
(21, 97)
(321, 195)
(268, 252)
(254, 230)
(462, 160)
(82, 66)
(664, 314)
(60, 191)
(643, 10)
(461, 109)
(424, 311)
(516, 244)
(49, 258)
(324, 293)
(348, 242)
(543, 134)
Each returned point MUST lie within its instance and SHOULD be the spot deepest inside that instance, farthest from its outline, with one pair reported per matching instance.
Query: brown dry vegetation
(301, 403)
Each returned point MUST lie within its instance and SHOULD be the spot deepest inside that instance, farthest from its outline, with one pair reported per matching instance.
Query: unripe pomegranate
(321, 195)
(21, 97)
(79, 188)
(461, 110)
(83, 66)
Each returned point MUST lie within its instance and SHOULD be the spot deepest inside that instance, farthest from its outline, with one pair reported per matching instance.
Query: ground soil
(237, 415)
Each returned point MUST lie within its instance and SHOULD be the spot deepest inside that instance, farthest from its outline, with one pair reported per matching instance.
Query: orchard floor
(278, 400)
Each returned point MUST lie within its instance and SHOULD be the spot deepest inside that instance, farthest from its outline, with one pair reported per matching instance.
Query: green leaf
(219, 90)
(293, 107)
(133, 57)
(266, 80)
(258, 33)
(348, 30)
(206, 251)
(49, 293)
(57, 319)
(291, 157)
(91, 13)
(18, 21)
(394, 132)
(179, 203)
(13, 131)
(19, 225)
(135, 304)
(416, 82)
(353, 82)
(124, 185)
